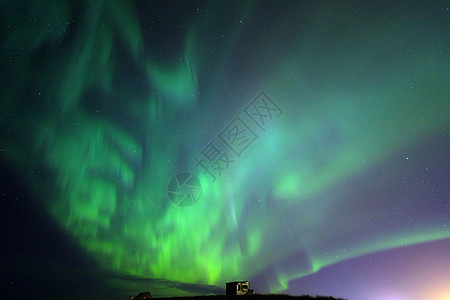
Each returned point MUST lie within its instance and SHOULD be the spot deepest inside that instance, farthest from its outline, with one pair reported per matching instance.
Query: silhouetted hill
(255, 297)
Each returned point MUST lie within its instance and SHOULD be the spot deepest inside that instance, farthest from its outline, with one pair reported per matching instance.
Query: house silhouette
(238, 288)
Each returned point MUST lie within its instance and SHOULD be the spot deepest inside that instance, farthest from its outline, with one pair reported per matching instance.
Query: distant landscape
(256, 297)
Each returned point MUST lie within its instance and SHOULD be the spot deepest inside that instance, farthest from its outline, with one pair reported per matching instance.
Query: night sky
(173, 146)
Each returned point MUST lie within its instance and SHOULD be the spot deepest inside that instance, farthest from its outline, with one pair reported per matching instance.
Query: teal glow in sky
(104, 102)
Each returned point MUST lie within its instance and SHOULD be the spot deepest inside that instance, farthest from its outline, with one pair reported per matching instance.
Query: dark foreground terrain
(254, 297)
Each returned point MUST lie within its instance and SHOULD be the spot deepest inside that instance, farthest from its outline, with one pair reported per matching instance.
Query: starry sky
(172, 146)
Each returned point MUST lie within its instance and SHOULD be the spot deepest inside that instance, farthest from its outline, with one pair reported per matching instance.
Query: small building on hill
(238, 288)
(142, 296)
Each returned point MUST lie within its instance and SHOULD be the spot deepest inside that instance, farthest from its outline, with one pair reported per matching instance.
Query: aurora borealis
(104, 102)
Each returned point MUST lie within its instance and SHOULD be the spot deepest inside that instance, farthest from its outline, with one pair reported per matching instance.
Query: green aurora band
(109, 161)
